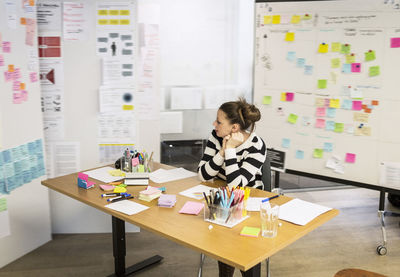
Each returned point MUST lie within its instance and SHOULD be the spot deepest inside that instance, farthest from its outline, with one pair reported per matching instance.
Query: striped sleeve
(211, 161)
(251, 164)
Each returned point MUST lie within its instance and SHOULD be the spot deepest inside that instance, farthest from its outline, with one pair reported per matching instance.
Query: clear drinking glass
(269, 215)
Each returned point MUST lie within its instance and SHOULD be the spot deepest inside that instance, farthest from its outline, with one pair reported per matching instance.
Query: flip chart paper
(300, 212)
(292, 118)
(374, 71)
(335, 46)
(322, 83)
(370, 56)
(267, 100)
(318, 153)
(350, 158)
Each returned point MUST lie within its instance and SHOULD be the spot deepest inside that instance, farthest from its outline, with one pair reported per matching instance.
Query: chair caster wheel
(381, 250)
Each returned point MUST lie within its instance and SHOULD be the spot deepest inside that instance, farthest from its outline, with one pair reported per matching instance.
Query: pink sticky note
(1, 60)
(107, 187)
(350, 158)
(357, 105)
(16, 74)
(6, 47)
(320, 123)
(150, 190)
(16, 85)
(289, 96)
(394, 42)
(89, 184)
(356, 67)
(24, 95)
(83, 176)
(135, 161)
(33, 77)
(192, 207)
(7, 76)
(17, 99)
(321, 111)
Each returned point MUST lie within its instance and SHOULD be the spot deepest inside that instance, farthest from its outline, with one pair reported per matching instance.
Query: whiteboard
(325, 80)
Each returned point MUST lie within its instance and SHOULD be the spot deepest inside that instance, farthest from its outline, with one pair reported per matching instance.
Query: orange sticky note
(364, 106)
(32, 3)
(10, 68)
(367, 110)
(375, 102)
(22, 86)
(22, 20)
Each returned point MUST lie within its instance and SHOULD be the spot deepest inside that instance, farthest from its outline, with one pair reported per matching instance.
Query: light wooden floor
(349, 240)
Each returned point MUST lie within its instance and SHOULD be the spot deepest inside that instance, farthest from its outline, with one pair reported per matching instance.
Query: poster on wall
(48, 17)
(75, 17)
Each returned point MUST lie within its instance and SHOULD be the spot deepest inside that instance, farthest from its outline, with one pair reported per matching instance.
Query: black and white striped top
(241, 166)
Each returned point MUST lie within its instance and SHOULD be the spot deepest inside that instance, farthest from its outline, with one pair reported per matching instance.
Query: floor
(347, 241)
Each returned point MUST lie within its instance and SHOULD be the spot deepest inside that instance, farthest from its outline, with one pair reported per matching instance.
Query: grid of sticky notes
(295, 19)
(113, 17)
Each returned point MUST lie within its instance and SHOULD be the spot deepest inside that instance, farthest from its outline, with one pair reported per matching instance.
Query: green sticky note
(370, 56)
(345, 49)
(292, 118)
(350, 58)
(374, 71)
(335, 46)
(3, 204)
(335, 63)
(250, 231)
(318, 153)
(322, 83)
(267, 100)
(339, 127)
(140, 168)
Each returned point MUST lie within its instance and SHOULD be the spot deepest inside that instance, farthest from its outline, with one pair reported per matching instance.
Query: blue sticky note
(370, 107)
(347, 104)
(331, 112)
(330, 125)
(308, 69)
(346, 68)
(300, 62)
(291, 56)
(328, 147)
(286, 143)
(299, 154)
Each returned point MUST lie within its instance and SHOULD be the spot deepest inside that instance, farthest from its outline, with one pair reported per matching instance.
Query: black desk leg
(255, 271)
(119, 251)
(276, 179)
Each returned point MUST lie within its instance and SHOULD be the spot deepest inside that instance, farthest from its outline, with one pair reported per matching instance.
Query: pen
(120, 199)
(125, 195)
(113, 194)
(269, 198)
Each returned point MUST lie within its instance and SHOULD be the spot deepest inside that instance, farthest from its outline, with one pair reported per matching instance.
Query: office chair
(353, 272)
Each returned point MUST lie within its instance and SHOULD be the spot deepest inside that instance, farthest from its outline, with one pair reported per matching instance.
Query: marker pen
(113, 194)
(120, 199)
(125, 195)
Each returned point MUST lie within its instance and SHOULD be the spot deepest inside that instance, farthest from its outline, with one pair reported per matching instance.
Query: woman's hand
(224, 141)
(234, 140)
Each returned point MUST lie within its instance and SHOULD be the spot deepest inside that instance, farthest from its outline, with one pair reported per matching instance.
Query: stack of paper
(149, 194)
(196, 192)
(163, 176)
(167, 200)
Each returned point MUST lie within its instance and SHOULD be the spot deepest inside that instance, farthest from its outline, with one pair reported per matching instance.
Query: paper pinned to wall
(171, 122)
(186, 98)
(389, 174)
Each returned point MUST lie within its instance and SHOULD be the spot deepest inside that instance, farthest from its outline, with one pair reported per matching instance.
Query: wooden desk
(220, 243)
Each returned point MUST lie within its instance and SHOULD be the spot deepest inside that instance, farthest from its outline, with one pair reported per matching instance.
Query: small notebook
(250, 231)
(191, 207)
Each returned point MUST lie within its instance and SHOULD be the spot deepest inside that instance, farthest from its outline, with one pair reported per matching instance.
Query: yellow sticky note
(351, 58)
(267, 100)
(292, 118)
(267, 19)
(114, 22)
(124, 12)
(102, 12)
(334, 103)
(335, 46)
(276, 19)
(119, 189)
(124, 22)
(335, 63)
(116, 172)
(289, 36)
(283, 96)
(127, 107)
(295, 19)
(318, 153)
(140, 168)
(250, 231)
(102, 21)
(114, 12)
(323, 48)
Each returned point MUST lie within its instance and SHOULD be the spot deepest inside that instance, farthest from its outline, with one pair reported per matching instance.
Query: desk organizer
(227, 217)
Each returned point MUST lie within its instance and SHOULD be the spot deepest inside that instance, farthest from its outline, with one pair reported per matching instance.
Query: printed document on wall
(390, 174)
(116, 100)
(75, 18)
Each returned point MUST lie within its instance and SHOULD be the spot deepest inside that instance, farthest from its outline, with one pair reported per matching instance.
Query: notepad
(107, 187)
(250, 231)
(191, 207)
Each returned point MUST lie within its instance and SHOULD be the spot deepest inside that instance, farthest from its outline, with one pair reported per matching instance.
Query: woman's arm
(212, 159)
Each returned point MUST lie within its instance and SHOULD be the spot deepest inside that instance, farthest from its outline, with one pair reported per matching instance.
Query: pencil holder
(222, 215)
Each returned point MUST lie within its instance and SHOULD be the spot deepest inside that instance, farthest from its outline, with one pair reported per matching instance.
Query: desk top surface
(222, 243)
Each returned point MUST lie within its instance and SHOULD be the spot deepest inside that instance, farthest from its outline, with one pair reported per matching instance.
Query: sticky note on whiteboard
(394, 42)
(350, 158)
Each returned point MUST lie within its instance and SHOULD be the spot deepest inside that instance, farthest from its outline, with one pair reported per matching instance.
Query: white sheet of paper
(253, 204)
(301, 212)
(163, 176)
(102, 174)
(127, 207)
(199, 188)
(390, 174)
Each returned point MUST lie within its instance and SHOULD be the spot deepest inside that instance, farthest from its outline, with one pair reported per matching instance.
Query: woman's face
(222, 125)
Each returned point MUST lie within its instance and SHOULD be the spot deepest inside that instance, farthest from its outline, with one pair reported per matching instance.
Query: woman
(234, 152)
